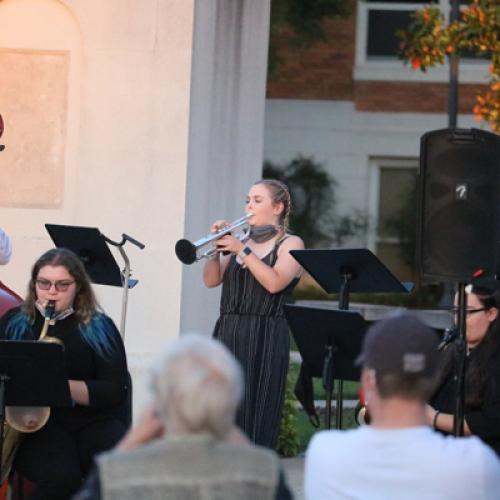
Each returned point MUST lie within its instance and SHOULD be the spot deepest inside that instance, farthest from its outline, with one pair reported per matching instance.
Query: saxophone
(25, 419)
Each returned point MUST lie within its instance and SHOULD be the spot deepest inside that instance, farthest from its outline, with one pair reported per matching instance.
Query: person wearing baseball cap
(399, 456)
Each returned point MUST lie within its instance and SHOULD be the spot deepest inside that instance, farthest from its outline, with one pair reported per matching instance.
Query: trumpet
(206, 247)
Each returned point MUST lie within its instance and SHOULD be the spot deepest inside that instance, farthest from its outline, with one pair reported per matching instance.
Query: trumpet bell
(185, 251)
(206, 247)
(27, 418)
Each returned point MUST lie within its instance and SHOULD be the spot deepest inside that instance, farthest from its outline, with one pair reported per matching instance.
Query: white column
(230, 45)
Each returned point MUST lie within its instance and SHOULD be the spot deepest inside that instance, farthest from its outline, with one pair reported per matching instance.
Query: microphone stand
(460, 360)
(125, 274)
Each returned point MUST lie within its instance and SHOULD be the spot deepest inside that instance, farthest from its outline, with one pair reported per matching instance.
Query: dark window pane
(397, 220)
(396, 184)
(423, 2)
(382, 26)
(469, 54)
(390, 255)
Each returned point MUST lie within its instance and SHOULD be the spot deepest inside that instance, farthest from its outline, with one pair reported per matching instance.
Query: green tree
(304, 19)
(428, 41)
(314, 215)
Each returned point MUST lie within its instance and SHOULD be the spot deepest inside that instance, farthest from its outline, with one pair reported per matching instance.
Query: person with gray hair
(186, 445)
(399, 456)
(197, 385)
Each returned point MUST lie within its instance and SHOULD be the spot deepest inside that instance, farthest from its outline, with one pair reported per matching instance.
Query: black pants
(57, 460)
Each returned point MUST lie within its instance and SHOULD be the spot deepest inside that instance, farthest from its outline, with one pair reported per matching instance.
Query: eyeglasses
(60, 286)
(454, 310)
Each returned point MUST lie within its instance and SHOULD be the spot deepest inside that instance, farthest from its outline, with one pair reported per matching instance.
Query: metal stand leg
(3, 380)
(125, 274)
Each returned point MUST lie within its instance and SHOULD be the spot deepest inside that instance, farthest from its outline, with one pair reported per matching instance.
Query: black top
(105, 377)
(483, 420)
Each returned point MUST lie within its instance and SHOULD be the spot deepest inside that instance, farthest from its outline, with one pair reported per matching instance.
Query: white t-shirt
(5, 247)
(401, 464)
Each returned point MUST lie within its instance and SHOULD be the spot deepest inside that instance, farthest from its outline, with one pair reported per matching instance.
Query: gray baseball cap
(400, 344)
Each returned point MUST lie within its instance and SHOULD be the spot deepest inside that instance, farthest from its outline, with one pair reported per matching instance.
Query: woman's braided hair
(279, 194)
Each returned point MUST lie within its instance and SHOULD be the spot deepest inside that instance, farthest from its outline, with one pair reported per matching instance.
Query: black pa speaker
(458, 196)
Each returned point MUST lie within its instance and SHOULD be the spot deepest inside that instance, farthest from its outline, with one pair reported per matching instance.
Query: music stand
(357, 269)
(31, 374)
(329, 342)
(344, 271)
(91, 246)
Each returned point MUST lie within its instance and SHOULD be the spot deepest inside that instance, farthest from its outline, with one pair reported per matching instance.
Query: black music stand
(350, 270)
(92, 248)
(31, 374)
(329, 342)
(344, 271)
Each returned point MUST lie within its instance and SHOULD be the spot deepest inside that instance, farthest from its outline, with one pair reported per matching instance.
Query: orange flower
(416, 63)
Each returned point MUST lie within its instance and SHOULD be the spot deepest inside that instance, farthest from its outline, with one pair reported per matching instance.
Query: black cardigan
(484, 420)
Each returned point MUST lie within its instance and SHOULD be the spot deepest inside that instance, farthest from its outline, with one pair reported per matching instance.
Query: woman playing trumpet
(257, 280)
(57, 456)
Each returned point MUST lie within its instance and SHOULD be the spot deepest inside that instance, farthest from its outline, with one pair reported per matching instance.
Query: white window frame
(376, 164)
(386, 69)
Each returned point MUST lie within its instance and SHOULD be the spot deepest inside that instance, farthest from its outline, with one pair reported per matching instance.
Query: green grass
(296, 429)
(305, 429)
(350, 390)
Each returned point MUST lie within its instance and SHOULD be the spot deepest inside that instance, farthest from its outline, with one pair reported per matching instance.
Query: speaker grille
(458, 205)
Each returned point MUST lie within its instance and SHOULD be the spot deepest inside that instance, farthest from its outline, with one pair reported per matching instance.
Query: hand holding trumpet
(218, 226)
(229, 244)
(223, 237)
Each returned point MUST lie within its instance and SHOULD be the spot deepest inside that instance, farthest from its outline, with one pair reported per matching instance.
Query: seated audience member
(399, 456)
(186, 445)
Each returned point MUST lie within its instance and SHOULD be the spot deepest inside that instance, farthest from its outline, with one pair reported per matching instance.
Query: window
(393, 200)
(377, 43)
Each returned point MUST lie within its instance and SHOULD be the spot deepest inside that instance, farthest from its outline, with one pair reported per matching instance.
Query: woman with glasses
(58, 456)
(482, 377)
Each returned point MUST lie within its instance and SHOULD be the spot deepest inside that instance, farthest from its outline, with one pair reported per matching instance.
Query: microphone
(450, 334)
(50, 309)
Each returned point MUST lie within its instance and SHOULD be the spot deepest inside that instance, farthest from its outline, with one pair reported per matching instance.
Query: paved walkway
(294, 470)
